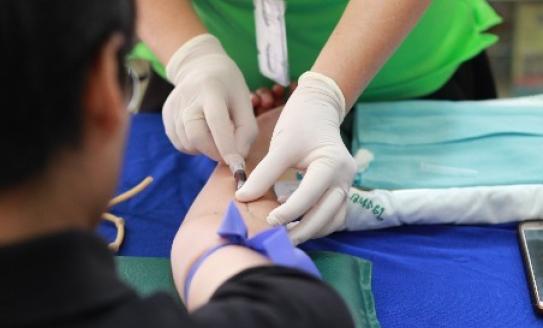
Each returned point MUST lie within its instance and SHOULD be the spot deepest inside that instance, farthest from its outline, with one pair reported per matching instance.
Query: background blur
(517, 59)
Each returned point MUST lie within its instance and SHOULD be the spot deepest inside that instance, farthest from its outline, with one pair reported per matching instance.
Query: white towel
(378, 209)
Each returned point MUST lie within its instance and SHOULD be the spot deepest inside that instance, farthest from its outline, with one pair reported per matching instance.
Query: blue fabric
(443, 276)
(431, 144)
(438, 276)
(153, 217)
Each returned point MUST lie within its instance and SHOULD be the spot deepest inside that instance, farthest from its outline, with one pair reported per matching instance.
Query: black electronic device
(531, 243)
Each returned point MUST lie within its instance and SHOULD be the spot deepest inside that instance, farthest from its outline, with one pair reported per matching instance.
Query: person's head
(62, 103)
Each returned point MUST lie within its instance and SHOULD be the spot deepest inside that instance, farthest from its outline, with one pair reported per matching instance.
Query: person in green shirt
(340, 51)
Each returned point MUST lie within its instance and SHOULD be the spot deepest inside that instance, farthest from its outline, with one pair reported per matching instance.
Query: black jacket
(69, 280)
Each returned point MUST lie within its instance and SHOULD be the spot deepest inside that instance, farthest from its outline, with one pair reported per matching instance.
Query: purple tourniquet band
(273, 244)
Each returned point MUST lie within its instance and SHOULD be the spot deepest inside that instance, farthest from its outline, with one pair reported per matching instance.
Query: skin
(365, 37)
(165, 25)
(205, 216)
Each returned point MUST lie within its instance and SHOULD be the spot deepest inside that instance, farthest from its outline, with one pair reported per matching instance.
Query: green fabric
(141, 51)
(350, 276)
(449, 33)
(147, 274)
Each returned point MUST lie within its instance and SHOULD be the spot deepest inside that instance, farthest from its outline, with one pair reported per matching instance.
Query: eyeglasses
(138, 75)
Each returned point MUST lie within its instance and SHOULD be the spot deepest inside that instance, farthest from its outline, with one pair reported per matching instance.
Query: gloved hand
(209, 111)
(307, 137)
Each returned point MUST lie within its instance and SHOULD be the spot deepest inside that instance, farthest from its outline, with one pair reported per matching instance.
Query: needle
(238, 170)
(240, 177)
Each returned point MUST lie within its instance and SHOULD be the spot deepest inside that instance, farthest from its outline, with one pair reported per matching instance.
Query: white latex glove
(307, 137)
(209, 111)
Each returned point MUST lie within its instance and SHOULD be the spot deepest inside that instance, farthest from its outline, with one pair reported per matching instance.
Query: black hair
(46, 50)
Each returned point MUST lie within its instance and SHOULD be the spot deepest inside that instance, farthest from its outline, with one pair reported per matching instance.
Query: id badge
(271, 39)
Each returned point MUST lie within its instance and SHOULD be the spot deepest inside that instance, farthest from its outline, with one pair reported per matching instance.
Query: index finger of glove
(220, 125)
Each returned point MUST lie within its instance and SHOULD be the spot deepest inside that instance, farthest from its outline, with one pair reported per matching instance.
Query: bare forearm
(164, 25)
(198, 231)
(364, 39)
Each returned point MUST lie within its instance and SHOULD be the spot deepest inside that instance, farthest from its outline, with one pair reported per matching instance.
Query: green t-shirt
(449, 33)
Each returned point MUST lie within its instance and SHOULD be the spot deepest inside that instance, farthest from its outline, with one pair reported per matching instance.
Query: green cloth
(449, 33)
(350, 276)
(147, 274)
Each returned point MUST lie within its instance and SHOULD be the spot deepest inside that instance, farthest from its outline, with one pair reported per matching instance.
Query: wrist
(328, 87)
(194, 49)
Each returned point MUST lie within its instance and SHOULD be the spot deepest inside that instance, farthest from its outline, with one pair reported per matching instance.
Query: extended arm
(203, 220)
(238, 286)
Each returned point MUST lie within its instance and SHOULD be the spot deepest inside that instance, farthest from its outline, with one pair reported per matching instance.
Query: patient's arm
(262, 297)
(198, 231)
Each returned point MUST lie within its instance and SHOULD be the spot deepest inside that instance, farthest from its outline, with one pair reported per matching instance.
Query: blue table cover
(424, 276)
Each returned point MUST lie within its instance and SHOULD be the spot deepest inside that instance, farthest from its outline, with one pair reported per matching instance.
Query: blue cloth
(438, 144)
(438, 276)
(154, 216)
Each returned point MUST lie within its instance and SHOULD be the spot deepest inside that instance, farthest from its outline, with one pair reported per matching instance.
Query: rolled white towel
(377, 209)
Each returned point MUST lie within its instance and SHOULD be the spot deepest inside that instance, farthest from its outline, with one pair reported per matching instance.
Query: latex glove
(209, 111)
(307, 137)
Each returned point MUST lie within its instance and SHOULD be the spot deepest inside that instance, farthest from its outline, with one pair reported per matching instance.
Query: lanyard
(271, 37)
